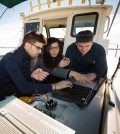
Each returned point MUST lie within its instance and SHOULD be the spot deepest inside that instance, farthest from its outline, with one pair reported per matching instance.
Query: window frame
(85, 14)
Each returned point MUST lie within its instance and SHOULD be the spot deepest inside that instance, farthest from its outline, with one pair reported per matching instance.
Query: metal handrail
(116, 49)
(7, 47)
(49, 2)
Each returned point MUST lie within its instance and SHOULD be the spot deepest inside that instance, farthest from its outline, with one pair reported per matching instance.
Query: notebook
(80, 94)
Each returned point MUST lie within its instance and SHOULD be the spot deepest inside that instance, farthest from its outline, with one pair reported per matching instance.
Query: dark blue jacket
(93, 61)
(15, 69)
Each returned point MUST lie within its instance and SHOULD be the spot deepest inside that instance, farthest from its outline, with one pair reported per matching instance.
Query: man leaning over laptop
(87, 57)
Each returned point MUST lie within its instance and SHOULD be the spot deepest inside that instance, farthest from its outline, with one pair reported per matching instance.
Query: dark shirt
(94, 61)
(15, 70)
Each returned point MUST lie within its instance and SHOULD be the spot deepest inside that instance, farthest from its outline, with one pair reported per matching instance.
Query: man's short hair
(84, 36)
(34, 37)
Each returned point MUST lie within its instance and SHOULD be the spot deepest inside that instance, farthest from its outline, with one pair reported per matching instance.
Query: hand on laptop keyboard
(62, 84)
(90, 76)
(79, 77)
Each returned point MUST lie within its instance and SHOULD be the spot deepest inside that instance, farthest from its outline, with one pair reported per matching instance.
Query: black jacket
(94, 61)
(15, 69)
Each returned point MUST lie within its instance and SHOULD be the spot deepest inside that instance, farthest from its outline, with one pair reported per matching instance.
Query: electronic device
(51, 104)
(79, 94)
(21, 118)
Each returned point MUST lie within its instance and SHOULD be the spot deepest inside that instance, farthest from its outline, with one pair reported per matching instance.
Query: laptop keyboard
(78, 94)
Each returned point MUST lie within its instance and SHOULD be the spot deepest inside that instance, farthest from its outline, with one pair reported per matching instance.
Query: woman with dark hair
(53, 62)
(52, 55)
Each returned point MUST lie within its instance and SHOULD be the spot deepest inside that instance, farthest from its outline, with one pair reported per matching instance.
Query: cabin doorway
(55, 28)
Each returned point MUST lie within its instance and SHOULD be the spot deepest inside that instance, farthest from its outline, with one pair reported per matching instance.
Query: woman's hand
(39, 74)
(61, 85)
(64, 62)
(79, 77)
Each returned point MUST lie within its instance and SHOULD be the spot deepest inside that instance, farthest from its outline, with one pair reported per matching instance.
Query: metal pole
(114, 17)
(116, 51)
(3, 13)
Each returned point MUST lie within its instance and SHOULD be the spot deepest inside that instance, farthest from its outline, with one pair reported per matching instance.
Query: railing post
(83, 1)
(59, 3)
(39, 4)
(70, 2)
(48, 2)
(116, 51)
(31, 7)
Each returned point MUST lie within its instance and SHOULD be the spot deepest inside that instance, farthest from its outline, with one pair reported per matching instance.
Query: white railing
(114, 50)
(49, 2)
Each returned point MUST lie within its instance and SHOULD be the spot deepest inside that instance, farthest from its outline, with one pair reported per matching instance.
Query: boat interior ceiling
(56, 22)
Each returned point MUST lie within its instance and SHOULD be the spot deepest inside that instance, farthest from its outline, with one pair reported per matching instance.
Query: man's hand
(79, 77)
(39, 74)
(90, 76)
(61, 85)
(64, 62)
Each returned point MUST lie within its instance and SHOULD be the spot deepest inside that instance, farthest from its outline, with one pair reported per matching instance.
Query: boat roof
(71, 7)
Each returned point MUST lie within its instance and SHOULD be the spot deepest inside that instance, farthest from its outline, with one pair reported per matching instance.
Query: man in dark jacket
(87, 57)
(15, 74)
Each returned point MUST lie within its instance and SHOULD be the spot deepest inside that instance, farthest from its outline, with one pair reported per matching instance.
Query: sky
(11, 23)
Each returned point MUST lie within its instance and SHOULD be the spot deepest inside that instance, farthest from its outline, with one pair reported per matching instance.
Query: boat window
(33, 26)
(58, 32)
(86, 21)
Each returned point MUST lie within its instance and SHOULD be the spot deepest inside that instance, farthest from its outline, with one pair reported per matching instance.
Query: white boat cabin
(65, 22)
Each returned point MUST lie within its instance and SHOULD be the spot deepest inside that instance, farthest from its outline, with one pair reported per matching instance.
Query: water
(112, 53)
(3, 51)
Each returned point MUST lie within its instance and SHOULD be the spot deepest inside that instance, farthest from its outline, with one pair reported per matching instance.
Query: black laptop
(79, 94)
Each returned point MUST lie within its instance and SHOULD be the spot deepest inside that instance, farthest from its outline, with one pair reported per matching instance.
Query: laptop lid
(81, 94)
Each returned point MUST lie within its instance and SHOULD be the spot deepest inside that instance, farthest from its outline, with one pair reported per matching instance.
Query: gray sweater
(57, 71)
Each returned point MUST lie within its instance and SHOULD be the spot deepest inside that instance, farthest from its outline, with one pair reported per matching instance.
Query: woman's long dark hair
(49, 61)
